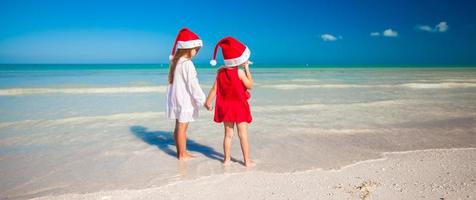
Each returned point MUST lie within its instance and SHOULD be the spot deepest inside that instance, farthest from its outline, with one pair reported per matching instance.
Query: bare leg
(227, 141)
(243, 134)
(180, 135)
(175, 137)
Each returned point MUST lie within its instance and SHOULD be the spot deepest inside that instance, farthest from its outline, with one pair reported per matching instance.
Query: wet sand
(425, 174)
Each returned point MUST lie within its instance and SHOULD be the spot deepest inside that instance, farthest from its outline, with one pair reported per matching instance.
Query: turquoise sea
(33, 67)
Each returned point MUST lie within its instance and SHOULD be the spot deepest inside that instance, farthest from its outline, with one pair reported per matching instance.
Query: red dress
(232, 98)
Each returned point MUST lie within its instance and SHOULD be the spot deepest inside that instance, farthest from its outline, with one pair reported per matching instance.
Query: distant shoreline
(68, 67)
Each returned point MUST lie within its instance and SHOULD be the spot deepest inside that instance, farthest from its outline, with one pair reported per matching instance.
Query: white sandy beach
(426, 174)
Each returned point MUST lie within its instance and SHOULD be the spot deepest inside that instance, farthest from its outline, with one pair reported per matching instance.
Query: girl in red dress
(231, 91)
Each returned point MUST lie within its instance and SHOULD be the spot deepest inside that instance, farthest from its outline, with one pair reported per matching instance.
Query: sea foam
(443, 85)
(85, 119)
(439, 85)
(91, 90)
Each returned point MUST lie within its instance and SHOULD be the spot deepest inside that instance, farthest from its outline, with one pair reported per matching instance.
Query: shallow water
(78, 131)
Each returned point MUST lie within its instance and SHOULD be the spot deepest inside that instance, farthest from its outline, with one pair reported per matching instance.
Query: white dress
(184, 95)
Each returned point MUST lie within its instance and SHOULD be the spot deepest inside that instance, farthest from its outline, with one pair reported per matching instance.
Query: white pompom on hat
(213, 62)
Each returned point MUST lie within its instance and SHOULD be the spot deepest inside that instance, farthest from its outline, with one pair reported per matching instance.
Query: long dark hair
(173, 64)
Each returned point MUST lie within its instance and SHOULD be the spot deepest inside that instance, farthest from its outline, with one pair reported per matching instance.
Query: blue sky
(331, 32)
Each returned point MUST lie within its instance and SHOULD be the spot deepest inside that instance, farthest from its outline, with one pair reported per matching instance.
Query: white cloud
(440, 27)
(386, 33)
(328, 37)
(375, 34)
(425, 28)
(390, 33)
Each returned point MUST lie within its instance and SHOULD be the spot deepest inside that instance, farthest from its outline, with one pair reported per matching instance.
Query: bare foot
(226, 162)
(249, 163)
(186, 156)
(190, 155)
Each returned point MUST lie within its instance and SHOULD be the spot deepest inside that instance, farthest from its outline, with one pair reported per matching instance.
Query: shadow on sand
(164, 140)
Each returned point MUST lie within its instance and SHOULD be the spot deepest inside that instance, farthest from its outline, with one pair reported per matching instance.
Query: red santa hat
(186, 39)
(234, 52)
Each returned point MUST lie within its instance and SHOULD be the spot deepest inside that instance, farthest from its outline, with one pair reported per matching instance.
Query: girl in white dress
(184, 94)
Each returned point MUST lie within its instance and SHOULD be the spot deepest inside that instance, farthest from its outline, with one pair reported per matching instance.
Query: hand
(246, 64)
(208, 106)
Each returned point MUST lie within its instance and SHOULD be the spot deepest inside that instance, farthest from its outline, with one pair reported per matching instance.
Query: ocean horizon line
(158, 66)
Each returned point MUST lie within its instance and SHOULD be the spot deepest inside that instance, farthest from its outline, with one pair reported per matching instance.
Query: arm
(245, 76)
(194, 86)
(211, 96)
